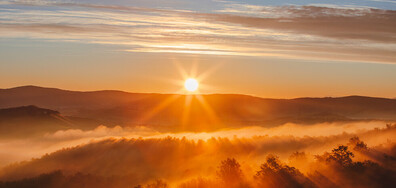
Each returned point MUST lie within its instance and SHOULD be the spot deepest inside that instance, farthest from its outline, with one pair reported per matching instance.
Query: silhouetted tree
(298, 156)
(229, 170)
(230, 173)
(356, 174)
(357, 144)
(341, 155)
(389, 125)
(157, 184)
(274, 174)
(200, 183)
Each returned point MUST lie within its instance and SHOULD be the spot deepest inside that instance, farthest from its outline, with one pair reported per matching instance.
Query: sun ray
(185, 92)
(205, 87)
(186, 111)
(209, 111)
(179, 68)
(194, 68)
(209, 72)
(159, 108)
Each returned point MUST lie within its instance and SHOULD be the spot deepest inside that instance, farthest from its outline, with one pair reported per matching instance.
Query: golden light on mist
(191, 84)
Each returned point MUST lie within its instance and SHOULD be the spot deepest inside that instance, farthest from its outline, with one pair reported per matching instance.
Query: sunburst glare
(191, 84)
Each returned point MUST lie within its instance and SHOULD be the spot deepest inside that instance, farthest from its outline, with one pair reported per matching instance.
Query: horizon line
(156, 93)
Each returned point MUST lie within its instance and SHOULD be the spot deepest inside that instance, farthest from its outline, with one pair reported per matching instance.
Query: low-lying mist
(298, 155)
(29, 147)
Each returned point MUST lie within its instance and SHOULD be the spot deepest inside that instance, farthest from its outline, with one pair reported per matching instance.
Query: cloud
(298, 32)
(385, 1)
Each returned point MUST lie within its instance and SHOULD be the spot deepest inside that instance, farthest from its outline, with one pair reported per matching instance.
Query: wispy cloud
(302, 32)
(385, 1)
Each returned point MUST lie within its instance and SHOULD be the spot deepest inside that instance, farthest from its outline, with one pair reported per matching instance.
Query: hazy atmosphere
(197, 94)
(276, 49)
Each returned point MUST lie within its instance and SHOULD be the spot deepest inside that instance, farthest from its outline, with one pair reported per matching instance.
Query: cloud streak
(298, 32)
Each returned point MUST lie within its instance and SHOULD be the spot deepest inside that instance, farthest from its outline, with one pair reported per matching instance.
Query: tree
(357, 144)
(230, 171)
(275, 174)
(341, 155)
(157, 184)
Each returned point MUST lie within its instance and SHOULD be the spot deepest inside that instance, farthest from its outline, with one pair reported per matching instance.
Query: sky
(273, 49)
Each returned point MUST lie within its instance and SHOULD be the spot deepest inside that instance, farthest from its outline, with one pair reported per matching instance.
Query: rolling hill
(34, 121)
(169, 111)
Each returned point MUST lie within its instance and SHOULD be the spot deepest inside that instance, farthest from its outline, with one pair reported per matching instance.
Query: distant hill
(32, 111)
(31, 121)
(169, 112)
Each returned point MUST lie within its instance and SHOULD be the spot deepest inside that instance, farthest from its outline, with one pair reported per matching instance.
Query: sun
(191, 84)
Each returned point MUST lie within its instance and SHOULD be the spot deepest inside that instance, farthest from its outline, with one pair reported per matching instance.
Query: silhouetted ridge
(34, 121)
(165, 111)
(30, 110)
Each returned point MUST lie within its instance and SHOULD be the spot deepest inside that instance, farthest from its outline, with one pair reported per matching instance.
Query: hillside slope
(206, 112)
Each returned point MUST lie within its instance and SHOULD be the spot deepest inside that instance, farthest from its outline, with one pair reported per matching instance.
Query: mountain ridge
(169, 112)
(228, 94)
